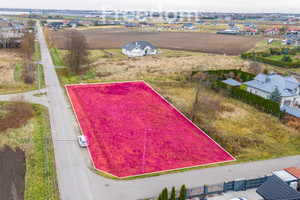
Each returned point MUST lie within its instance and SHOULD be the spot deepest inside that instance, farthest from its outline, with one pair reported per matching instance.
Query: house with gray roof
(263, 85)
(138, 49)
(232, 82)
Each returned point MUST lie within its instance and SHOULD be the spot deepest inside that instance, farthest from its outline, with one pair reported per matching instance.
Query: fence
(236, 185)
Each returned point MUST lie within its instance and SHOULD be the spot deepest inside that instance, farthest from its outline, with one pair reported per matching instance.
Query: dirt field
(198, 42)
(12, 173)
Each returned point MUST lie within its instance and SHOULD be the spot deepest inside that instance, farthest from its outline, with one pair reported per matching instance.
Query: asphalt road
(77, 181)
(28, 96)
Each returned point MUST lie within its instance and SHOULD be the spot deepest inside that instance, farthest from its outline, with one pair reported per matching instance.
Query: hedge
(262, 103)
(245, 76)
(250, 56)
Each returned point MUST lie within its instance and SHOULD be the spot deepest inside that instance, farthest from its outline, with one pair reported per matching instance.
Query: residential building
(138, 49)
(214, 24)
(188, 26)
(234, 30)
(249, 31)
(232, 23)
(249, 24)
(272, 31)
(293, 40)
(201, 22)
(131, 25)
(293, 31)
(264, 85)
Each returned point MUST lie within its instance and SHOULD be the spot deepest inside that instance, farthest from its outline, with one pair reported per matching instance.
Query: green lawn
(278, 58)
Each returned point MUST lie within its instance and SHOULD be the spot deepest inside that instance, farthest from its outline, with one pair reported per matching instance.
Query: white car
(82, 141)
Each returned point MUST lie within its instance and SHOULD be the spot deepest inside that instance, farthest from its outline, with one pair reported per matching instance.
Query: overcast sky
(286, 6)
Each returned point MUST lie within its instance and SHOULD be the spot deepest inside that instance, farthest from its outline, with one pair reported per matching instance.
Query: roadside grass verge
(31, 137)
(56, 56)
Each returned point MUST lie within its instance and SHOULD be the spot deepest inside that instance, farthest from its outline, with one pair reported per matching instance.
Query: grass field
(130, 114)
(31, 137)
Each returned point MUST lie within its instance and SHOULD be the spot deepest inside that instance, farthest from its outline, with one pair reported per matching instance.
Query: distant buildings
(272, 31)
(188, 26)
(234, 30)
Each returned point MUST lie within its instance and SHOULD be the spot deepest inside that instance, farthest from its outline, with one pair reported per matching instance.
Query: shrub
(239, 93)
(182, 193)
(173, 194)
(286, 58)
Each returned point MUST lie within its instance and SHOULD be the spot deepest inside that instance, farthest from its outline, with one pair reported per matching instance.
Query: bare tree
(77, 48)
(28, 46)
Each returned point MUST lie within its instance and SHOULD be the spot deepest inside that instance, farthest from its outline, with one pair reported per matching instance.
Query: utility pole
(38, 62)
(196, 100)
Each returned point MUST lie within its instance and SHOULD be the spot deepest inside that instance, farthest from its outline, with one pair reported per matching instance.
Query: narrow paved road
(76, 181)
(28, 96)
(72, 174)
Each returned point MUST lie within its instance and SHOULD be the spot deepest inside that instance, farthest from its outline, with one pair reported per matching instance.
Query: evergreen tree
(173, 194)
(166, 194)
(182, 193)
(276, 95)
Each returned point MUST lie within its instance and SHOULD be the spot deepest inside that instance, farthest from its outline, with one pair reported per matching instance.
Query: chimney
(267, 79)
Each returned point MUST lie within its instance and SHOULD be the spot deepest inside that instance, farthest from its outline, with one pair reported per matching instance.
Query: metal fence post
(205, 190)
(186, 193)
(225, 187)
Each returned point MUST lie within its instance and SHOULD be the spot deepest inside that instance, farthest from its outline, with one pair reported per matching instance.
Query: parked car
(82, 141)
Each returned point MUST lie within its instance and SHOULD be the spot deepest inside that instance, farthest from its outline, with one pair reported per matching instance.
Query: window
(287, 102)
(251, 90)
(255, 92)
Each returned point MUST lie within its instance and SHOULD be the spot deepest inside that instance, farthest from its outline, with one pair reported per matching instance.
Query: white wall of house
(263, 94)
(138, 52)
(289, 101)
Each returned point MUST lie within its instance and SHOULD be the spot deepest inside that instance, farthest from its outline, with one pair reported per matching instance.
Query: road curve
(76, 181)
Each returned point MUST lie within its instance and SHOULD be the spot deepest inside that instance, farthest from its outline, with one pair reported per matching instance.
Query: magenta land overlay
(123, 120)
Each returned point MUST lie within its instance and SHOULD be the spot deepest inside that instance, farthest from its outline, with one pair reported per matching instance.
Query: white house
(138, 49)
(263, 85)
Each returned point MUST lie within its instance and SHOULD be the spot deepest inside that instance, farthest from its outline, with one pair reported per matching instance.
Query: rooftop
(268, 83)
(140, 44)
(275, 188)
(294, 171)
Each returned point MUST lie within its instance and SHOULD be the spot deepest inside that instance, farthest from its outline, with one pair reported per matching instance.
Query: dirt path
(12, 173)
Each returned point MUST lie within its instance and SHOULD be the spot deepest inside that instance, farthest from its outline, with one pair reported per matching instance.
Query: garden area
(279, 56)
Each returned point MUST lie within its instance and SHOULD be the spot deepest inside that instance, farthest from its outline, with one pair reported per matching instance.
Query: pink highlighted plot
(132, 130)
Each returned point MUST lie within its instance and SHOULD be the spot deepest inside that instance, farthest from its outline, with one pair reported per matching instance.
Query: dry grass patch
(241, 129)
(165, 65)
(9, 59)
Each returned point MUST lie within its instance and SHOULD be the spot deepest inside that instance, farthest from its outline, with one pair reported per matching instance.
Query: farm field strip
(197, 42)
(131, 130)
